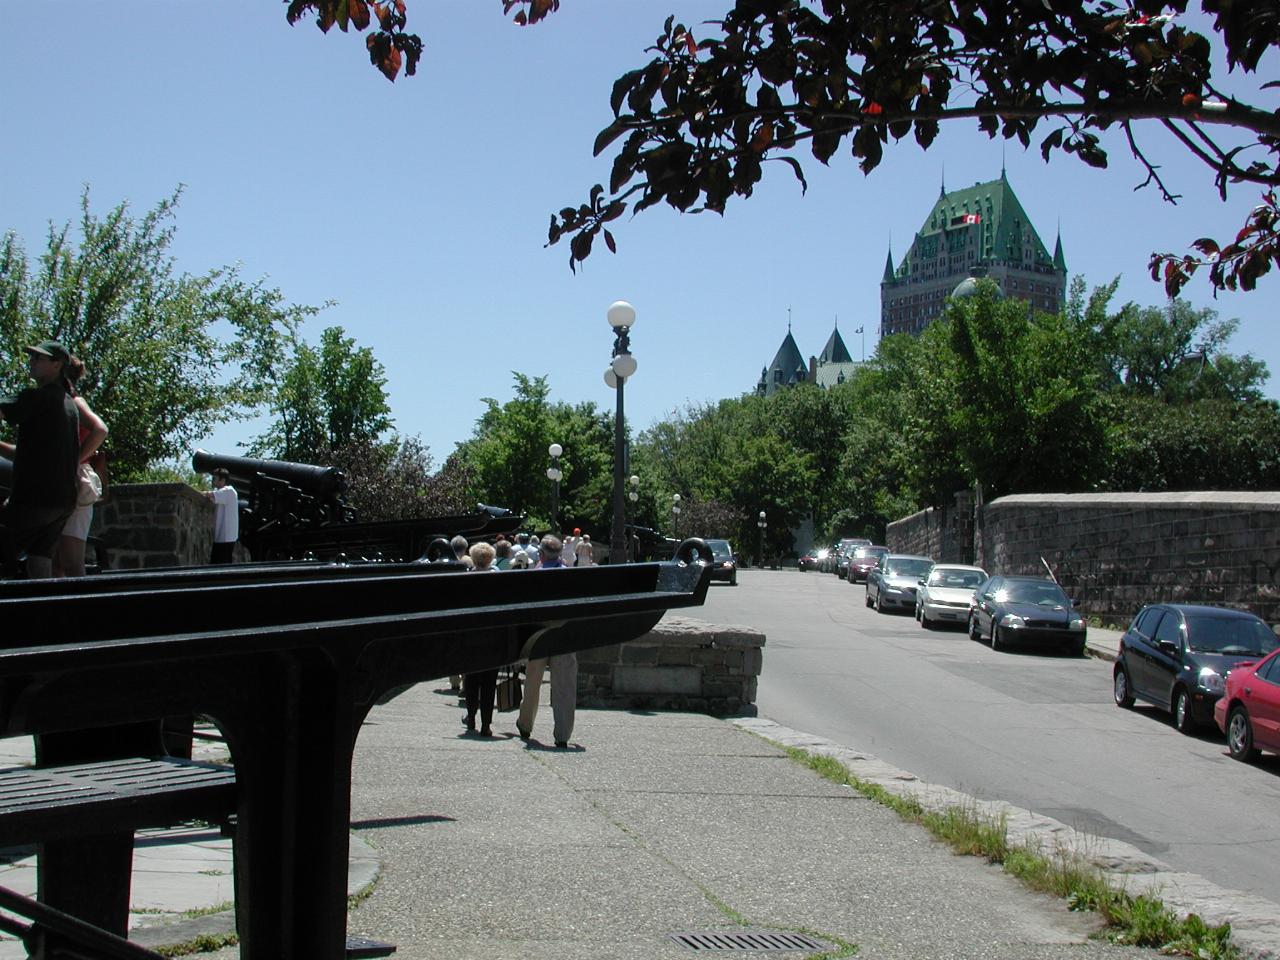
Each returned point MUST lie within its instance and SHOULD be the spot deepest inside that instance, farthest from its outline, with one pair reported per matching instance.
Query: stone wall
(681, 664)
(154, 525)
(1116, 551)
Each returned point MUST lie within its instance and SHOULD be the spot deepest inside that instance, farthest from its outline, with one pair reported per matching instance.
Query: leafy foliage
(327, 400)
(774, 79)
(168, 354)
(394, 481)
(508, 457)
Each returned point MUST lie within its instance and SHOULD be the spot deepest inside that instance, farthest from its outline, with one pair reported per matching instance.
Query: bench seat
(90, 799)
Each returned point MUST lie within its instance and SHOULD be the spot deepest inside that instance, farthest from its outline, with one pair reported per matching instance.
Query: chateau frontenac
(980, 231)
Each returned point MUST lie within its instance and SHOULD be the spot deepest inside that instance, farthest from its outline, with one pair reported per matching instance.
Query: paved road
(1037, 730)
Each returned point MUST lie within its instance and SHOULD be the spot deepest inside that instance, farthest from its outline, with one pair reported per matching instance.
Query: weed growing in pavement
(1139, 921)
(205, 943)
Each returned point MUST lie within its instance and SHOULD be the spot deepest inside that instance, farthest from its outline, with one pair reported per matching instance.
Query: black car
(724, 565)
(1026, 610)
(1176, 656)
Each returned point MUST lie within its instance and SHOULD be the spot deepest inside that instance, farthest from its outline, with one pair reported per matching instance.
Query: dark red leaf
(608, 241)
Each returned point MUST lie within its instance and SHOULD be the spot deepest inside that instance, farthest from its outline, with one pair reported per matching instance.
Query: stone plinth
(681, 664)
(147, 525)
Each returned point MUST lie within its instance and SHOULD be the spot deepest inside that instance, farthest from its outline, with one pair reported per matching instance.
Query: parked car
(893, 581)
(809, 561)
(843, 549)
(1175, 656)
(724, 565)
(1025, 610)
(827, 558)
(1249, 712)
(863, 561)
(946, 593)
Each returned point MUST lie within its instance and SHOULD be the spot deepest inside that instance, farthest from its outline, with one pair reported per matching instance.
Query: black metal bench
(288, 667)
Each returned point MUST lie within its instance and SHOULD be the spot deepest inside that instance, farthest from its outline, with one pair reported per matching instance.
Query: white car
(946, 593)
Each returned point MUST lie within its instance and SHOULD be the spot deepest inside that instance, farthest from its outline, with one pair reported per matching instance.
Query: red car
(1249, 712)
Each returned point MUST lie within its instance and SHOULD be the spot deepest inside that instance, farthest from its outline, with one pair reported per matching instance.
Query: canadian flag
(972, 218)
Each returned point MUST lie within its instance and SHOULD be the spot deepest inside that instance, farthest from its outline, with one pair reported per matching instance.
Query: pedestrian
(69, 558)
(481, 687)
(534, 550)
(564, 676)
(461, 545)
(519, 560)
(567, 555)
(502, 554)
(226, 516)
(45, 461)
(585, 553)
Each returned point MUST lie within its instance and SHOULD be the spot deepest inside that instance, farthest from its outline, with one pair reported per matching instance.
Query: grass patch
(205, 943)
(1141, 921)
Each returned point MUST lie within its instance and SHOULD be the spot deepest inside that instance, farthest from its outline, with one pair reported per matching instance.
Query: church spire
(1059, 261)
(888, 268)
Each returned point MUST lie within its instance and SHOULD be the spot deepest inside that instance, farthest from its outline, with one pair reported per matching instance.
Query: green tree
(394, 481)
(508, 456)
(169, 355)
(327, 400)
(1028, 417)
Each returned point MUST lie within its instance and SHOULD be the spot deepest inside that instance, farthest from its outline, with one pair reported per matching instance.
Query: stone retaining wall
(1116, 551)
(681, 664)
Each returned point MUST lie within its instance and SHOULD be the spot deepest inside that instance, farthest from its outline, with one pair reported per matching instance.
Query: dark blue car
(1177, 656)
(1018, 611)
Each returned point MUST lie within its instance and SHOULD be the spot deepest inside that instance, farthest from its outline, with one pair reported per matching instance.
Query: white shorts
(77, 525)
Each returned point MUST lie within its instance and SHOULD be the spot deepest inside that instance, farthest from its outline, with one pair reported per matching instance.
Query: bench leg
(89, 878)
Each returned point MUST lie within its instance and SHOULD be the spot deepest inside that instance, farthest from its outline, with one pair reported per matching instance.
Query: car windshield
(1044, 594)
(962, 579)
(904, 567)
(1234, 636)
(865, 553)
(720, 549)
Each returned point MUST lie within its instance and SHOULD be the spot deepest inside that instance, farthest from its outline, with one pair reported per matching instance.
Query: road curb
(1255, 922)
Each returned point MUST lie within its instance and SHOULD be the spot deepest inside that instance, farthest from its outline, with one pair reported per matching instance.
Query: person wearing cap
(45, 462)
(226, 516)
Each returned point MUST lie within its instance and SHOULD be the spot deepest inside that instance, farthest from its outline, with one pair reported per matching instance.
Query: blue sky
(421, 207)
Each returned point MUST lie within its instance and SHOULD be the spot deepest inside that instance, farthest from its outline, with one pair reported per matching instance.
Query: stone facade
(1116, 551)
(147, 525)
(681, 664)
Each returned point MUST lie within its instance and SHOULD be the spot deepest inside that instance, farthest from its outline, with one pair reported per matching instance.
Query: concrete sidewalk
(654, 825)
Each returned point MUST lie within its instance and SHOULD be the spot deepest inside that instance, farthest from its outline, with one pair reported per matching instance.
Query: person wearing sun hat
(45, 461)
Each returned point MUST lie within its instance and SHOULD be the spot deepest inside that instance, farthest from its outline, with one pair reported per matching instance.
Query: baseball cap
(51, 349)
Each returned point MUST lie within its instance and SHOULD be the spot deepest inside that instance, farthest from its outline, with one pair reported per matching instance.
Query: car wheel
(1121, 690)
(1182, 711)
(1240, 735)
(868, 598)
(879, 601)
(995, 635)
(924, 620)
(973, 628)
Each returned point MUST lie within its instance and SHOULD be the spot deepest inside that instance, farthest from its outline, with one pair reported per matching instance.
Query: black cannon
(294, 511)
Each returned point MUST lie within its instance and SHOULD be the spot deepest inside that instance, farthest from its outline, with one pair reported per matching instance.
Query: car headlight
(1212, 681)
(1077, 623)
(1012, 620)
(891, 589)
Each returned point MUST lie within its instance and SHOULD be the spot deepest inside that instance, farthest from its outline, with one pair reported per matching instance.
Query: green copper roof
(996, 211)
(789, 361)
(888, 267)
(1059, 261)
(835, 351)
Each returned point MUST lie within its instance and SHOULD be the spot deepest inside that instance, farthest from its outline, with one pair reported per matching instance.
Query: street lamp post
(675, 515)
(761, 525)
(621, 315)
(633, 495)
(554, 475)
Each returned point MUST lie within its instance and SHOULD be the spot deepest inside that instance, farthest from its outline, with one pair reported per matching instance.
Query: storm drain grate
(760, 940)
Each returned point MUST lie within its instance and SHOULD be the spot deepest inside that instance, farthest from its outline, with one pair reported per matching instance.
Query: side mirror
(1075, 601)
(988, 596)
(921, 581)
(1169, 647)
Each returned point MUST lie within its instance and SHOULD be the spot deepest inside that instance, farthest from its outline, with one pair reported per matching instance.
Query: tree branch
(1152, 176)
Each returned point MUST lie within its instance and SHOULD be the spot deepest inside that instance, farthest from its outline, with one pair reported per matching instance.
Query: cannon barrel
(318, 481)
